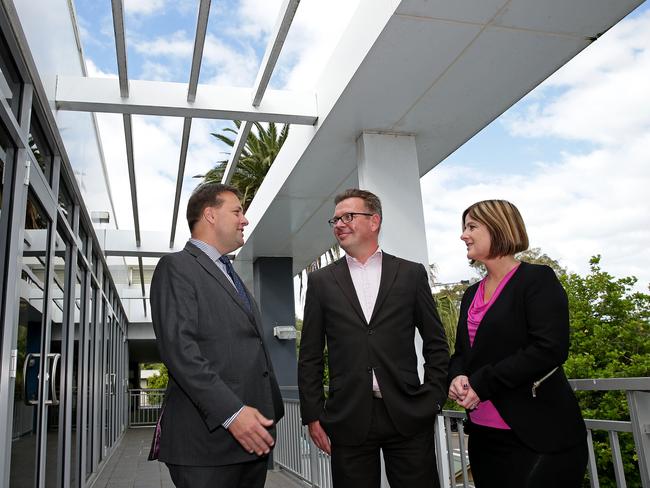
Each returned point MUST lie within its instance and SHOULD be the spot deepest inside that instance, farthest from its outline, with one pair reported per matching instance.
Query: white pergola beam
(170, 99)
(237, 149)
(273, 49)
(153, 244)
(120, 46)
(199, 42)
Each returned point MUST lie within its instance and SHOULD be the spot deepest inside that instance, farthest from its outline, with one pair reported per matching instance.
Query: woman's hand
(461, 391)
(471, 400)
(458, 388)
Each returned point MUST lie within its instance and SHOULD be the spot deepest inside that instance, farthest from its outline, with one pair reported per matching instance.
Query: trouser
(251, 474)
(499, 459)
(410, 461)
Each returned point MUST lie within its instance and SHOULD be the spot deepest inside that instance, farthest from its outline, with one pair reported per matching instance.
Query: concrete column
(273, 288)
(388, 167)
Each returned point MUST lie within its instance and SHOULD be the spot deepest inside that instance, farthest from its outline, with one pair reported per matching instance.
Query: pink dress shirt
(366, 277)
(486, 413)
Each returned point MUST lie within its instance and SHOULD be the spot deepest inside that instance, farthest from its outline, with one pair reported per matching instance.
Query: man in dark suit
(222, 399)
(365, 309)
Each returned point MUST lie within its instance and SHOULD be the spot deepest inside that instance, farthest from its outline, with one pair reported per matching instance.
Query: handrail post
(639, 404)
(442, 455)
(313, 463)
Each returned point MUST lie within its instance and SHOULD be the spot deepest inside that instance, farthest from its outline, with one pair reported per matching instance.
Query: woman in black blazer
(524, 423)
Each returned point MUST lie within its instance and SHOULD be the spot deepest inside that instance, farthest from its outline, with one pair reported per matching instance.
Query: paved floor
(128, 467)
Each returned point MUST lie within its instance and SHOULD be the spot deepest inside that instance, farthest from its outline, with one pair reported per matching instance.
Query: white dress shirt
(366, 277)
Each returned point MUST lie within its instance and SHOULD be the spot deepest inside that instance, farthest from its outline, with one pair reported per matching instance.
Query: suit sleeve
(174, 311)
(434, 340)
(547, 316)
(311, 358)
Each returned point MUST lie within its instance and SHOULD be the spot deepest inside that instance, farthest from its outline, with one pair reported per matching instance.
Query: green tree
(610, 338)
(160, 380)
(262, 146)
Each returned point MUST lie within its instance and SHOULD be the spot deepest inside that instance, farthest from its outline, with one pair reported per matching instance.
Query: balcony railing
(296, 453)
(144, 406)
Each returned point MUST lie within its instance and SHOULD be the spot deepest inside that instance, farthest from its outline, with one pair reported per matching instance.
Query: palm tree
(261, 148)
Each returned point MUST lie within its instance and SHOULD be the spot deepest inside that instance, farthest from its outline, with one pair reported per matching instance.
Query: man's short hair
(206, 195)
(504, 224)
(372, 202)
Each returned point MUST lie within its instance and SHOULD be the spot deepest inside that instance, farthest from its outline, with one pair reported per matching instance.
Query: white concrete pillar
(388, 167)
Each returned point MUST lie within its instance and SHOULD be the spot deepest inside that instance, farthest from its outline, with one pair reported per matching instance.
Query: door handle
(29, 358)
(49, 377)
(55, 365)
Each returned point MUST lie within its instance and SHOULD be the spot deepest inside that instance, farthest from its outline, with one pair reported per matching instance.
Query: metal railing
(295, 452)
(144, 406)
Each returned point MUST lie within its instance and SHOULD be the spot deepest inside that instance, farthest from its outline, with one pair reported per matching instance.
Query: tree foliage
(610, 338)
(158, 381)
(262, 146)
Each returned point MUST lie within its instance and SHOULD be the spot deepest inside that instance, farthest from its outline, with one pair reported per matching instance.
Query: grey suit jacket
(217, 360)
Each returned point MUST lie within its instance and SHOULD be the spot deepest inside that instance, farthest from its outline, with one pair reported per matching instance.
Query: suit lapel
(343, 278)
(389, 266)
(211, 267)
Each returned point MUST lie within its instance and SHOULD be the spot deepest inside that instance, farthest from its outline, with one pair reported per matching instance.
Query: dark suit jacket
(333, 315)
(217, 361)
(522, 337)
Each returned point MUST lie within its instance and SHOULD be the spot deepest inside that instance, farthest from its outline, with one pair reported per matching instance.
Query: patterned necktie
(239, 286)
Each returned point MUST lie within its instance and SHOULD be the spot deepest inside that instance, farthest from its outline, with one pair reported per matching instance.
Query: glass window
(40, 147)
(12, 84)
(65, 202)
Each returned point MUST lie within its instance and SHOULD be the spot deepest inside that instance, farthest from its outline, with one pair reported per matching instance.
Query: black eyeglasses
(346, 218)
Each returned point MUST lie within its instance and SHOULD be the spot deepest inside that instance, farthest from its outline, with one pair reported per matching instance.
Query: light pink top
(486, 413)
(366, 277)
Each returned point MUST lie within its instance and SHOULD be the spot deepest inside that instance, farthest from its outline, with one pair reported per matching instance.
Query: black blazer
(333, 315)
(217, 361)
(522, 337)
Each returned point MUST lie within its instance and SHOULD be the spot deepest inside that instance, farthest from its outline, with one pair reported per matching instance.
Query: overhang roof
(438, 70)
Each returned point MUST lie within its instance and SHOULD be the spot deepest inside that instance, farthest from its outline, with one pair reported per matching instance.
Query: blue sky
(574, 154)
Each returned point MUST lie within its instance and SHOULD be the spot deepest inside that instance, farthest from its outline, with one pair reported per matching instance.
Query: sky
(573, 155)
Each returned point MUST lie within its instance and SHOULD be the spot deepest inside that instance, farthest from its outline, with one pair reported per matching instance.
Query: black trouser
(499, 459)
(410, 461)
(243, 475)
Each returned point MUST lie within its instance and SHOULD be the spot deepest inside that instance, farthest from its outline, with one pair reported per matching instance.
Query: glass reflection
(29, 343)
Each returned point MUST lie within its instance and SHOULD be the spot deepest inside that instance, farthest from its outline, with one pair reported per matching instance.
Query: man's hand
(249, 428)
(319, 437)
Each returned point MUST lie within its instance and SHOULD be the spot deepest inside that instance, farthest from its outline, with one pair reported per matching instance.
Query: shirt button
(265, 374)
(371, 332)
(369, 369)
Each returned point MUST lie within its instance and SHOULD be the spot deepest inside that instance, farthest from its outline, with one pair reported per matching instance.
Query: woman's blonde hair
(504, 223)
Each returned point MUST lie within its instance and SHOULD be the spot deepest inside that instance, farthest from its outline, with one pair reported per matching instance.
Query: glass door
(34, 360)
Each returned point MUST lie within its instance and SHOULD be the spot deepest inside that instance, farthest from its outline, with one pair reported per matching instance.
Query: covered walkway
(128, 467)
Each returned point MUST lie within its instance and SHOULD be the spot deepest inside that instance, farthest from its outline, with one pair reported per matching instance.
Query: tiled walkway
(129, 468)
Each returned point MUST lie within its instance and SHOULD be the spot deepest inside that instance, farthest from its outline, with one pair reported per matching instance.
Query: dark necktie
(239, 286)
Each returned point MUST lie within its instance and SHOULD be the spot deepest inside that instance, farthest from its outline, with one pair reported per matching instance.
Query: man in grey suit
(222, 399)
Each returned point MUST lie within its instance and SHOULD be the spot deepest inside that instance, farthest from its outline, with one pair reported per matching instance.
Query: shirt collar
(208, 249)
(355, 262)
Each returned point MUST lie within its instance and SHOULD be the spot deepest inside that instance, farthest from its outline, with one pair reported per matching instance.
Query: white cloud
(601, 91)
(175, 45)
(584, 203)
(95, 72)
(144, 7)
